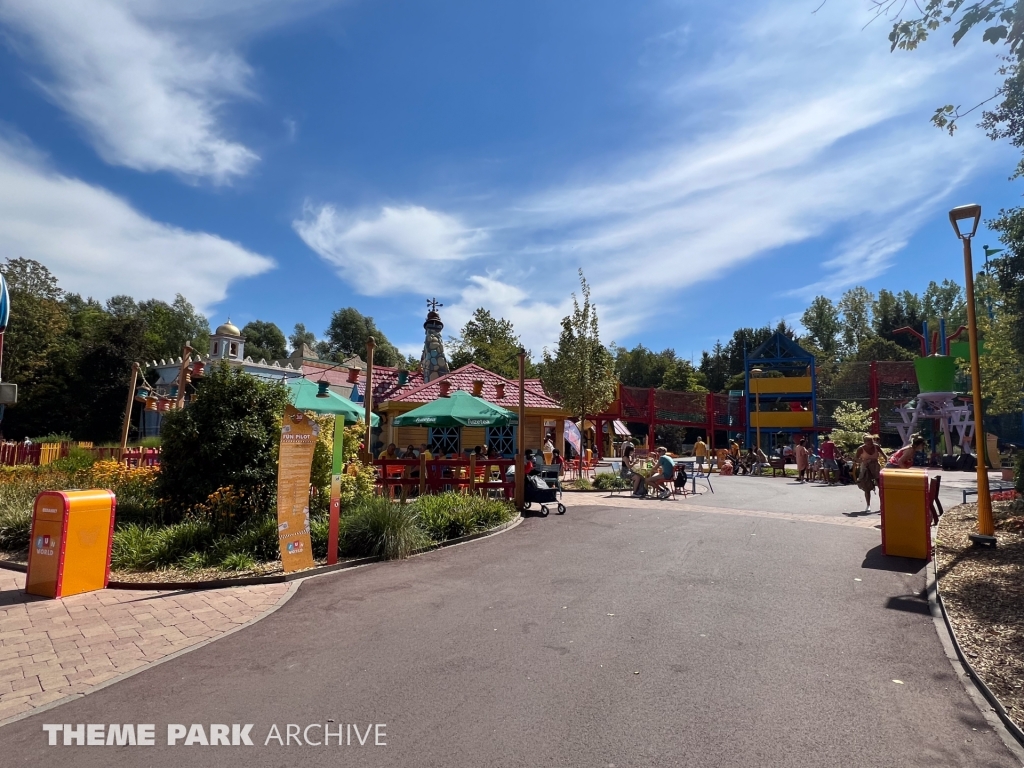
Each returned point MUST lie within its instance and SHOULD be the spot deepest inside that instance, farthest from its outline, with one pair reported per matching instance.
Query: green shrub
(52, 438)
(77, 460)
(581, 484)
(607, 481)
(238, 561)
(226, 438)
(380, 527)
(1018, 473)
(175, 542)
(450, 515)
(193, 562)
(319, 529)
(257, 539)
(134, 548)
(15, 527)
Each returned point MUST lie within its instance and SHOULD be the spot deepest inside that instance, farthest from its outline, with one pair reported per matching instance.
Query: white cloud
(99, 246)
(147, 80)
(397, 250)
(803, 127)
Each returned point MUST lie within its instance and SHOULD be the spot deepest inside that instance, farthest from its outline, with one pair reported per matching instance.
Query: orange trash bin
(72, 535)
(906, 513)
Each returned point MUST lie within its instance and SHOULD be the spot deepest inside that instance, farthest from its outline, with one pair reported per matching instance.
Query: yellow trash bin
(72, 532)
(906, 516)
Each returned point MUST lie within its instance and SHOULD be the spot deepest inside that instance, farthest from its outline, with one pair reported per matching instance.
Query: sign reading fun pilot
(294, 463)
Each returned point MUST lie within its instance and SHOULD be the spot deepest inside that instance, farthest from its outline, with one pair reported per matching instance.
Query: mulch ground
(983, 593)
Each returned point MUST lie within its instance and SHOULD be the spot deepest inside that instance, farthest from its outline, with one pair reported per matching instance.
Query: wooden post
(521, 433)
(472, 474)
(126, 421)
(368, 398)
(186, 361)
(423, 473)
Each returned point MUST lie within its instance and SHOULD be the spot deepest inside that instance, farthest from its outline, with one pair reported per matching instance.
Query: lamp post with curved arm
(969, 216)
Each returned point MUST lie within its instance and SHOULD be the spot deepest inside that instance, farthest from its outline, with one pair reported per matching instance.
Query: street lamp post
(755, 373)
(970, 215)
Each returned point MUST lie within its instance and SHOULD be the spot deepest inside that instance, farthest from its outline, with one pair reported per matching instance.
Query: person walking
(801, 461)
(828, 460)
(700, 452)
(868, 458)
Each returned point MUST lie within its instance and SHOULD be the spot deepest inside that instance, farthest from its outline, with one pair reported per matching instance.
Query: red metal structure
(705, 411)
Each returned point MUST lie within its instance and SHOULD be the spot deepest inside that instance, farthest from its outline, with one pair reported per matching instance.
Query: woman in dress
(868, 456)
(630, 466)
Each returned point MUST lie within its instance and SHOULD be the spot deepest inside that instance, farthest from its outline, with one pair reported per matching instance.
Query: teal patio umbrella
(304, 396)
(461, 409)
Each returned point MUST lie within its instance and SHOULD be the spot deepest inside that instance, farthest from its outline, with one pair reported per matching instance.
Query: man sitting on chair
(665, 469)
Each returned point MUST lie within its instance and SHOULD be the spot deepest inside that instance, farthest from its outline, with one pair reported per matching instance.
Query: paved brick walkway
(50, 649)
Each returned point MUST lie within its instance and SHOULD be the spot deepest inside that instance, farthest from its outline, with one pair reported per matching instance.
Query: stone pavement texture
(50, 649)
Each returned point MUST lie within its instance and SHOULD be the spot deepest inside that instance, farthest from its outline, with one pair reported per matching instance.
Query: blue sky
(278, 159)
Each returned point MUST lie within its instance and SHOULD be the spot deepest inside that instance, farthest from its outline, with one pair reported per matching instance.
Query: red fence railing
(397, 477)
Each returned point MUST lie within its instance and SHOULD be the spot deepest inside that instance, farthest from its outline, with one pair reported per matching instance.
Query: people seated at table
(410, 453)
(425, 451)
(663, 473)
(391, 452)
(529, 467)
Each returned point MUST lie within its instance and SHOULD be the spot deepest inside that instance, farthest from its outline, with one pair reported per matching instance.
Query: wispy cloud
(803, 127)
(100, 246)
(397, 249)
(145, 82)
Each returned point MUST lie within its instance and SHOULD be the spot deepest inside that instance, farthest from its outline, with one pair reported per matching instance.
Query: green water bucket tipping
(935, 373)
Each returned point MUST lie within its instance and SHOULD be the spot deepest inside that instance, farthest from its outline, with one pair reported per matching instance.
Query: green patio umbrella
(303, 394)
(461, 409)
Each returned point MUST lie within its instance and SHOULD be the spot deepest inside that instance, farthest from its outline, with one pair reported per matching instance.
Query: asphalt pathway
(640, 635)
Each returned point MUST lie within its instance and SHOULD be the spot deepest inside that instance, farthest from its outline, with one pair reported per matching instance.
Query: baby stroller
(537, 491)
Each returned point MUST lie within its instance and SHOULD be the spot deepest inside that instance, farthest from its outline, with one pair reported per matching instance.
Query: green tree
(347, 334)
(489, 342)
(681, 376)
(1009, 270)
(1001, 23)
(714, 366)
(944, 301)
(893, 311)
(581, 372)
(856, 308)
(821, 319)
(38, 352)
(640, 367)
(226, 438)
(264, 340)
(168, 327)
(854, 421)
(300, 336)
(877, 348)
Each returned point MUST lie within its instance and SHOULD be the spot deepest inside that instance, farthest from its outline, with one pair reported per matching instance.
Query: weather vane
(434, 304)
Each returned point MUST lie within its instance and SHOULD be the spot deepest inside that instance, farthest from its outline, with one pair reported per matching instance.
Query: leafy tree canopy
(347, 334)
(489, 342)
(226, 438)
(580, 374)
(264, 340)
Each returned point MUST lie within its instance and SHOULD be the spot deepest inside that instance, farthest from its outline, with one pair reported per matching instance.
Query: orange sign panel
(295, 461)
(69, 551)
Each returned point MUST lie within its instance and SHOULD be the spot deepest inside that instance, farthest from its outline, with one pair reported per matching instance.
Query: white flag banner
(573, 436)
